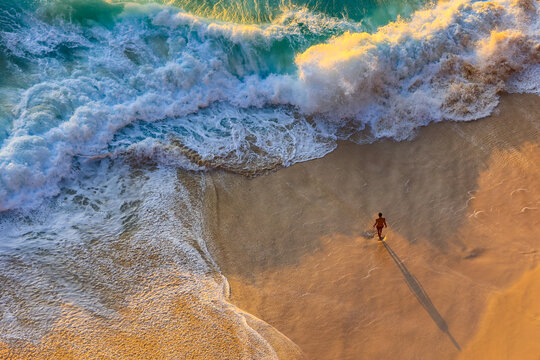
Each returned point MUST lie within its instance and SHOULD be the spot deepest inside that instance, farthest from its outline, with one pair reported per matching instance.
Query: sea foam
(448, 62)
(160, 82)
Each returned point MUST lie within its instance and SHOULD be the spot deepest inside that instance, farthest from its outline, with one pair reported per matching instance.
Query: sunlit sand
(462, 202)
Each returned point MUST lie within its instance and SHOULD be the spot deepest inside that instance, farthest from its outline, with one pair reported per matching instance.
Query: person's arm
(385, 223)
(375, 223)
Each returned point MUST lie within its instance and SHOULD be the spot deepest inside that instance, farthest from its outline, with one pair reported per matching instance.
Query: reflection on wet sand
(510, 326)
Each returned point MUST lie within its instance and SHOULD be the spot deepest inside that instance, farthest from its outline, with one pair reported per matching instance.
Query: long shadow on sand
(423, 298)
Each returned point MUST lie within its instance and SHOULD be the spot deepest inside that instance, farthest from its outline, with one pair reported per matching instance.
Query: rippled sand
(463, 204)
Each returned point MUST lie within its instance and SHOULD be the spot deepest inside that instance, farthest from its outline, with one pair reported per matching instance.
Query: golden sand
(511, 325)
(160, 323)
(457, 276)
(463, 204)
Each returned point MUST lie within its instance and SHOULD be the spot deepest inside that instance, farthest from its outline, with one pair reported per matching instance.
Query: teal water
(77, 76)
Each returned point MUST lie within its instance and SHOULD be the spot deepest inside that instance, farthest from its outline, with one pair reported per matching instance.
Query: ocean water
(111, 112)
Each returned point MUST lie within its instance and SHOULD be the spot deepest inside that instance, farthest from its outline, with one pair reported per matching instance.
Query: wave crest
(448, 62)
(284, 98)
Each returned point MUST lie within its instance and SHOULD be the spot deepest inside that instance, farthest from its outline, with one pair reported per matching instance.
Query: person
(380, 223)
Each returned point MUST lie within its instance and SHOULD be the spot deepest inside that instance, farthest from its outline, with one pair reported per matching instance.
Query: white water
(161, 65)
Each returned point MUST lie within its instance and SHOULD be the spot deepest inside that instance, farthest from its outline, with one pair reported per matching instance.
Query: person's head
(380, 214)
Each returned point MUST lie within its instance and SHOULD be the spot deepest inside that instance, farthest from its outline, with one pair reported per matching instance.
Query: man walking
(379, 224)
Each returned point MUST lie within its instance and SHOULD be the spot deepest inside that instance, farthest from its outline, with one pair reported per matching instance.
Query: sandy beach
(457, 275)
(294, 270)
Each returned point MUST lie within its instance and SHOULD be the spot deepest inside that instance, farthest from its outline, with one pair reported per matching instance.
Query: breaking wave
(84, 80)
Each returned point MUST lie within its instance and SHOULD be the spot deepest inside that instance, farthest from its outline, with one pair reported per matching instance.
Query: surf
(85, 74)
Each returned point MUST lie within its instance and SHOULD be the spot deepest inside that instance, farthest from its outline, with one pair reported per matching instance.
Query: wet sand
(456, 278)
(462, 201)
(160, 322)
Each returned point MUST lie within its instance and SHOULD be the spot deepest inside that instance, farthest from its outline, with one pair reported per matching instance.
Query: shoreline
(293, 270)
(295, 244)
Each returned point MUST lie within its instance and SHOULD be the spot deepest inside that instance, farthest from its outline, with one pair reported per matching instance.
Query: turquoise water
(78, 76)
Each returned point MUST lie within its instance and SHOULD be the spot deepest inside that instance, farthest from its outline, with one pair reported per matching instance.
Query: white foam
(447, 62)
(74, 249)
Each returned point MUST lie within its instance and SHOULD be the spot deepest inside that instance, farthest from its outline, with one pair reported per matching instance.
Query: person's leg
(379, 231)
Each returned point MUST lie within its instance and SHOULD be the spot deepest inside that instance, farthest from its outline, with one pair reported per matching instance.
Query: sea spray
(448, 62)
(85, 78)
